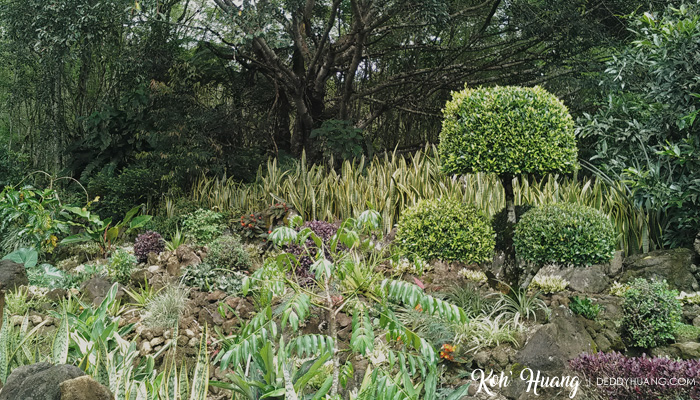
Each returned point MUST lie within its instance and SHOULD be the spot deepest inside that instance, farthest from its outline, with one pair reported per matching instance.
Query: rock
(194, 342)
(96, 289)
(697, 243)
(156, 341)
(146, 349)
(173, 266)
(153, 268)
(215, 296)
(591, 279)
(603, 343)
(244, 308)
(35, 319)
(481, 359)
(139, 277)
(182, 340)
(84, 388)
(548, 351)
(152, 258)
(38, 381)
(696, 321)
(614, 267)
(343, 320)
(56, 295)
(12, 275)
(189, 333)
(670, 265)
(187, 257)
(688, 350)
(500, 355)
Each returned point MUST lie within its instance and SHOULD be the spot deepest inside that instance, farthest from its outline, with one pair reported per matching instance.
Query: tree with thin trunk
(509, 131)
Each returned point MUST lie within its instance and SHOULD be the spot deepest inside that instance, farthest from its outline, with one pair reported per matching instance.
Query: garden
(169, 231)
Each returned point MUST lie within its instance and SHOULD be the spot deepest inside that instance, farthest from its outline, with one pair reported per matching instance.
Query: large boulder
(96, 289)
(38, 381)
(12, 275)
(547, 352)
(84, 388)
(591, 279)
(676, 266)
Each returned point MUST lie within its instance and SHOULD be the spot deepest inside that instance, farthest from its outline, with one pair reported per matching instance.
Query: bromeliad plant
(409, 370)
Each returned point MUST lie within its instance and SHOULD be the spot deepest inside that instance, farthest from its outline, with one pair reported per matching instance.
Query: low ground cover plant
(651, 313)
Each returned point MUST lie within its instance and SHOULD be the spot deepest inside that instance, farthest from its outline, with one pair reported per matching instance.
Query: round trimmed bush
(228, 252)
(507, 130)
(446, 230)
(650, 313)
(565, 233)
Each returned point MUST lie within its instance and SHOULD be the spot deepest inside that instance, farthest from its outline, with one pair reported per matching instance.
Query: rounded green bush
(564, 233)
(650, 313)
(228, 252)
(446, 230)
(507, 130)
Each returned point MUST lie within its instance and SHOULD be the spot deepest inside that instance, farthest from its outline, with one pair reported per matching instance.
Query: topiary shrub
(650, 313)
(507, 130)
(565, 233)
(228, 252)
(446, 230)
(148, 242)
(203, 226)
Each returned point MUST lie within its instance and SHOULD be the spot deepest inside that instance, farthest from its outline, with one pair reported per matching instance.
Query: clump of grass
(165, 308)
(518, 304)
(18, 302)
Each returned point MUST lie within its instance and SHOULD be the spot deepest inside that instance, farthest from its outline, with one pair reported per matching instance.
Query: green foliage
(565, 233)
(227, 252)
(19, 302)
(25, 256)
(394, 182)
(651, 313)
(685, 332)
(166, 307)
(339, 139)
(518, 304)
(121, 265)
(646, 132)
(31, 217)
(203, 226)
(584, 306)
(446, 230)
(102, 232)
(208, 277)
(13, 166)
(48, 276)
(507, 130)
(19, 346)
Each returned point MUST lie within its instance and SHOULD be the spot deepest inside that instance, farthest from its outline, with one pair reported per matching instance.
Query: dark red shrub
(617, 377)
(148, 242)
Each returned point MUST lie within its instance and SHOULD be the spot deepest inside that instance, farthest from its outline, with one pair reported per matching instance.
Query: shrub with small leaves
(203, 226)
(549, 284)
(207, 277)
(650, 313)
(507, 130)
(228, 252)
(148, 242)
(121, 265)
(565, 233)
(446, 230)
(597, 366)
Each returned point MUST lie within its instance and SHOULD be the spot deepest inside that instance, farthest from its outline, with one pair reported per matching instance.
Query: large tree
(368, 61)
